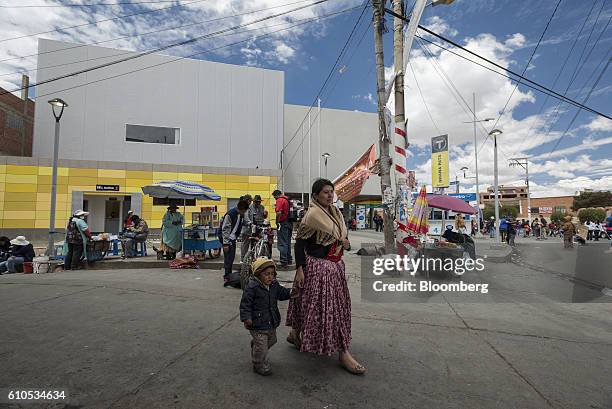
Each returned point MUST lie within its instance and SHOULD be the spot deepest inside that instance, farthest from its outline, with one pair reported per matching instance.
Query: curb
(143, 265)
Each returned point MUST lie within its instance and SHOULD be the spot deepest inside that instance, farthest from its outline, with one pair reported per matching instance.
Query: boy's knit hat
(261, 264)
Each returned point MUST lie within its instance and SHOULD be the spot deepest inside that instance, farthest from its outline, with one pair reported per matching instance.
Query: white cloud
(439, 26)
(586, 144)
(282, 52)
(515, 41)
(600, 124)
(568, 187)
(203, 16)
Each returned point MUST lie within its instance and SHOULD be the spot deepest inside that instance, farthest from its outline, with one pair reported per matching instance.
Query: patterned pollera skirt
(322, 312)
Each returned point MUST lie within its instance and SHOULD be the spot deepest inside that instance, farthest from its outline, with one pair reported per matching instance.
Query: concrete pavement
(160, 338)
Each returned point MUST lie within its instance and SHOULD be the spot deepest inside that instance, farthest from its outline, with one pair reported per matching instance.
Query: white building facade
(159, 117)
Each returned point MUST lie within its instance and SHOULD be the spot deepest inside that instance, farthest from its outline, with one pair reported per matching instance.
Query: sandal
(355, 370)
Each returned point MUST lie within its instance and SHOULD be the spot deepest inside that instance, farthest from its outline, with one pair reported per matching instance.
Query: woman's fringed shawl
(327, 225)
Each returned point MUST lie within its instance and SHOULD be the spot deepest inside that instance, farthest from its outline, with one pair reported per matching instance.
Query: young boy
(259, 311)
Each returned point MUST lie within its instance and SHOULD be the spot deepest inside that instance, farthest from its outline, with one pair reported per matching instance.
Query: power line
(586, 44)
(579, 110)
(126, 3)
(567, 57)
(330, 93)
(101, 21)
(157, 50)
(564, 98)
(301, 22)
(423, 99)
(567, 100)
(453, 89)
(580, 64)
(526, 67)
(134, 36)
(331, 72)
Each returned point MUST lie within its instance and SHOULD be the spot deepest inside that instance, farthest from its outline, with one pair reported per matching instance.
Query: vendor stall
(199, 236)
(441, 246)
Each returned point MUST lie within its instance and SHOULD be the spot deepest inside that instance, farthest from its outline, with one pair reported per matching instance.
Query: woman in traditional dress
(320, 316)
(568, 232)
(172, 223)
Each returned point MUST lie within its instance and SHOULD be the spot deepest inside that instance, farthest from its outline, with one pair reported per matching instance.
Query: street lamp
(57, 104)
(494, 133)
(475, 121)
(325, 156)
(478, 215)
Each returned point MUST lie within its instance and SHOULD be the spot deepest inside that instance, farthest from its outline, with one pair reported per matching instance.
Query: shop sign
(107, 188)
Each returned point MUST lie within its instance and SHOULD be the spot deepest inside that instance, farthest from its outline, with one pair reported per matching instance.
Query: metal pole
(456, 184)
(302, 149)
(497, 238)
(319, 133)
(53, 189)
(384, 160)
(476, 160)
(326, 168)
(528, 192)
(309, 150)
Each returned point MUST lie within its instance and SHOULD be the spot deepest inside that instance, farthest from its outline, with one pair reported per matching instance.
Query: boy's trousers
(261, 343)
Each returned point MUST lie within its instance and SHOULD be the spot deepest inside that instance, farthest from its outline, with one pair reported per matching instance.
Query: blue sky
(504, 31)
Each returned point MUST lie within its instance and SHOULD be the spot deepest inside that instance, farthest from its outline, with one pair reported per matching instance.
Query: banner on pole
(439, 161)
(349, 184)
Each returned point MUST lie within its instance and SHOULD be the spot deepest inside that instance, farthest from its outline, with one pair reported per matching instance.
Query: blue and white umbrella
(180, 190)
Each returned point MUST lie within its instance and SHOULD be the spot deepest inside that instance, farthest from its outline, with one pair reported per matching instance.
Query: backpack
(73, 234)
(293, 215)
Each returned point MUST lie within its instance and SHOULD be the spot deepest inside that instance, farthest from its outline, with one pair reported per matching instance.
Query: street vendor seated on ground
(172, 229)
(21, 252)
(5, 248)
(136, 233)
(77, 233)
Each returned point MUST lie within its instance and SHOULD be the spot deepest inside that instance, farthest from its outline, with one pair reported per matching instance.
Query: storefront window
(152, 134)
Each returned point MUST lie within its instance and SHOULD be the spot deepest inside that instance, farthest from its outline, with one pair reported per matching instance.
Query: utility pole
(524, 163)
(399, 131)
(476, 161)
(384, 160)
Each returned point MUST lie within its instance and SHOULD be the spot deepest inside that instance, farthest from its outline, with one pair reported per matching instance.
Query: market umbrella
(445, 202)
(180, 190)
(418, 222)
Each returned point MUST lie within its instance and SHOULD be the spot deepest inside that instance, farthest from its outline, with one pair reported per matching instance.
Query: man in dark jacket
(230, 230)
(259, 311)
(21, 252)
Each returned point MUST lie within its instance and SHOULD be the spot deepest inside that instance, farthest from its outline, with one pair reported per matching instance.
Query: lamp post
(494, 133)
(475, 121)
(57, 104)
(325, 156)
(463, 169)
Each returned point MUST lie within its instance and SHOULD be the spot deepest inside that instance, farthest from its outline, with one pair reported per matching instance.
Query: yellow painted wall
(25, 192)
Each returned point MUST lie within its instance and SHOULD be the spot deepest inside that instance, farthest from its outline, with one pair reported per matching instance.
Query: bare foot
(350, 363)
